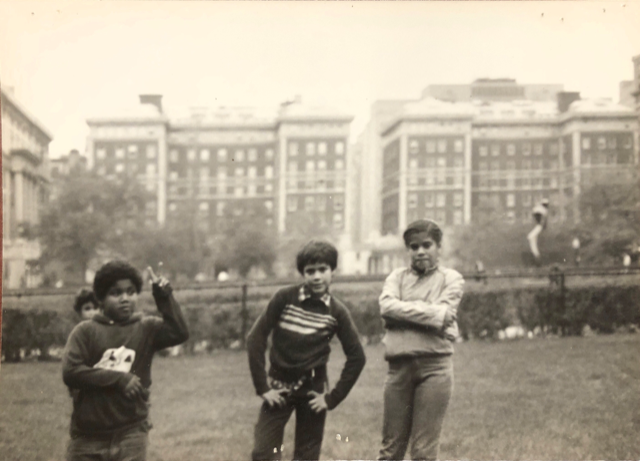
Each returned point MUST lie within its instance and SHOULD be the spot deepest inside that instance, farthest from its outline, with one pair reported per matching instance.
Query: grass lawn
(570, 398)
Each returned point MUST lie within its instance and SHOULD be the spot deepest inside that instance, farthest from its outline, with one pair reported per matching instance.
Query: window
(537, 164)
(457, 217)
(191, 155)
(511, 149)
(483, 151)
(132, 149)
(269, 154)
(293, 149)
(151, 169)
(321, 203)
(431, 147)
(222, 173)
(482, 166)
(441, 199)
(251, 190)
(457, 199)
(252, 155)
(553, 148)
(553, 165)
(322, 164)
(311, 148)
(119, 152)
(337, 221)
(339, 148)
(440, 216)
(458, 180)
(338, 202)
(458, 145)
(204, 155)
(252, 172)
(204, 174)
(173, 155)
(442, 145)
(458, 162)
(101, 171)
(339, 164)
(428, 200)
(510, 165)
(268, 187)
(526, 165)
(268, 172)
(222, 155)
(204, 207)
(220, 206)
(173, 175)
(537, 149)
(431, 162)
(495, 150)
(238, 156)
(495, 165)
(101, 153)
(586, 143)
(526, 199)
(602, 143)
(268, 204)
(292, 203)
(526, 149)
(309, 203)
(238, 192)
(413, 146)
(322, 148)
(628, 142)
(293, 167)
(441, 162)
(310, 166)
(511, 200)
(119, 167)
(412, 200)
(172, 206)
(612, 142)
(239, 172)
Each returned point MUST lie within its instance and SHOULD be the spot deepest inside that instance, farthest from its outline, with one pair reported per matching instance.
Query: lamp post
(575, 244)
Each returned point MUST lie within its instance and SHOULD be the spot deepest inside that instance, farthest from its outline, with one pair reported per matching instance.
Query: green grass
(571, 398)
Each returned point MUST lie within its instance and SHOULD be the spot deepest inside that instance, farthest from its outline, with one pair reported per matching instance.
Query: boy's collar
(304, 294)
(101, 318)
(429, 271)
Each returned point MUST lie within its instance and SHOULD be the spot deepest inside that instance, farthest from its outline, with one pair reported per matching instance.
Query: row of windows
(131, 151)
(525, 164)
(251, 190)
(251, 154)
(315, 184)
(222, 172)
(513, 183)
(431, 146)
(508, 200)
(312, 165)
(606, 159)
(206, 208)
(512, 149)
(337, 220)
(430, 178)
(438, 215)
(311, 148)
(435, 162)
(605, 142)
(438, 199)
(314, 203)
(149, 170)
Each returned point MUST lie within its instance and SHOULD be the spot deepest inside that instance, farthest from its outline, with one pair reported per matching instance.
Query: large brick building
(287, 166)
(25, 185)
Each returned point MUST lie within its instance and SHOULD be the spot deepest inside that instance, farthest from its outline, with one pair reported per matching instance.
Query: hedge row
(482, 314)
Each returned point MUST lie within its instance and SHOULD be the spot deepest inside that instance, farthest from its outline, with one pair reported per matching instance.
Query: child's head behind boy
(117, 285)
(86, 304)
(423, 239)
(316, 262)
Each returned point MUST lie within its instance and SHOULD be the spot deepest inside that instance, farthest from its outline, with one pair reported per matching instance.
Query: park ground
(545, 398)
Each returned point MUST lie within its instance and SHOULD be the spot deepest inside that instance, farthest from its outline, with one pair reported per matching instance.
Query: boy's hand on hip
(134, 389)
(275, 397)
(317, 402)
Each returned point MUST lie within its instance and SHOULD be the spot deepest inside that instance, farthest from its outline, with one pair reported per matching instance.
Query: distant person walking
(419, 307)
(539, 212)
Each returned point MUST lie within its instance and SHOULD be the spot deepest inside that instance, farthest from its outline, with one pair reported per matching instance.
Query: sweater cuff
(123, 381)
(159, 291)
(331, 403)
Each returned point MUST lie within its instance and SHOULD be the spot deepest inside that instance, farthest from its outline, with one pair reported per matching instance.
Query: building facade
(464, 162)
(288, 166)
(25, 185)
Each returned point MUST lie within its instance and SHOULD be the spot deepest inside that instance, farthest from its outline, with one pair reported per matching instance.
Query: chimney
(565, 98)
(153, 99)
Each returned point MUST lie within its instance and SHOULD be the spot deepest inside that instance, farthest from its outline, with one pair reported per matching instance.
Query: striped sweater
(302, 328)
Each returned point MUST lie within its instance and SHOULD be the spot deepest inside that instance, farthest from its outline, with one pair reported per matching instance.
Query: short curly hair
(423, 225)
(112, 272)
(317, 252)
(83, 297)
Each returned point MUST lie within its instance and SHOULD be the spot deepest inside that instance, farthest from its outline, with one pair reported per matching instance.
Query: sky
(69, 60)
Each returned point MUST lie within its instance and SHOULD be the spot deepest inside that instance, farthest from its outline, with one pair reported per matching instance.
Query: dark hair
(423, 225)
(317, 252)
(112, 272)
(83, 297)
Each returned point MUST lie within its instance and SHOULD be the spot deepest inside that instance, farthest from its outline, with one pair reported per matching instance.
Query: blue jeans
(416, 396)
(125, 445)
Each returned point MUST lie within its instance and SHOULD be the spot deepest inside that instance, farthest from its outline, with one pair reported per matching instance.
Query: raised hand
(156, 279)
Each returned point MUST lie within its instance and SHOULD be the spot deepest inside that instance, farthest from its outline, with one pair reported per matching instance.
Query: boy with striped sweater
(302, 320)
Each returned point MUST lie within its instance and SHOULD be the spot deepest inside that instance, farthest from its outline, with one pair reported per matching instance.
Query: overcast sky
(70, 60)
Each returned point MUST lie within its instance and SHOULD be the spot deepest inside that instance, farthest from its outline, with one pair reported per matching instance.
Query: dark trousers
(269, 430)
(126, 445)
(416, 396)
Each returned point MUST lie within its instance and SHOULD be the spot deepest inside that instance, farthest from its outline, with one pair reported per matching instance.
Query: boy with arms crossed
(108, 360)
(302, 320)
(419, 306)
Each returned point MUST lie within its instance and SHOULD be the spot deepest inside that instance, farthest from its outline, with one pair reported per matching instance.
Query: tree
(90, 215)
